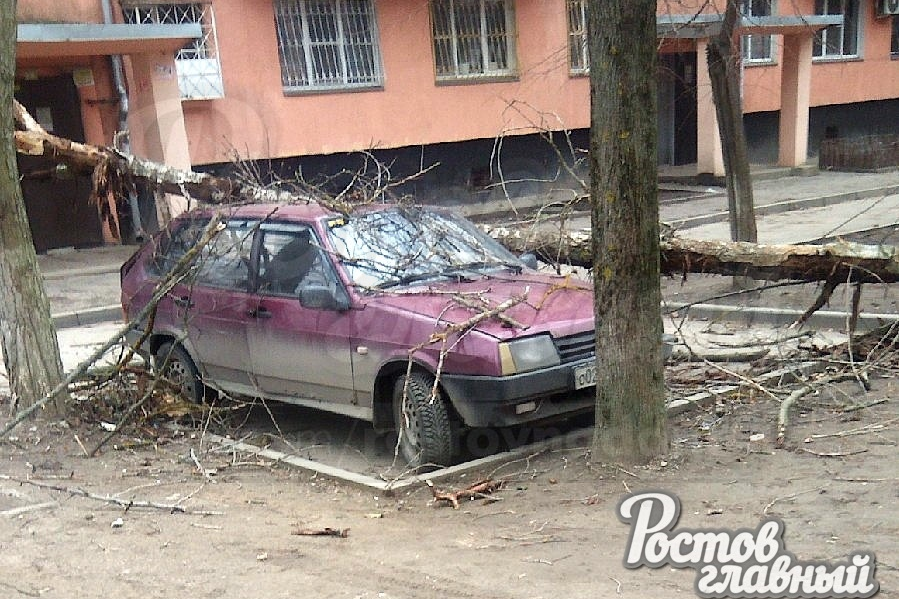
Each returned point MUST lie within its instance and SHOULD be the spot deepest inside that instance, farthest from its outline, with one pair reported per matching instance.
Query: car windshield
(402, 246)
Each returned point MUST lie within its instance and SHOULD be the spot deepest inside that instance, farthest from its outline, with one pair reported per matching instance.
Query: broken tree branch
(128, 504)
(477, 490)
(105, 163)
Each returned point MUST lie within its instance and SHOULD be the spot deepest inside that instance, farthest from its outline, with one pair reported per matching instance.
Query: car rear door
(297, 351)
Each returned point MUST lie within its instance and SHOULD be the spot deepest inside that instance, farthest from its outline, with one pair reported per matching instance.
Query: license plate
(584, 376)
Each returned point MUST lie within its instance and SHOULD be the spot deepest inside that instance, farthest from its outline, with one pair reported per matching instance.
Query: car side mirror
(529, 259)
(320, 297)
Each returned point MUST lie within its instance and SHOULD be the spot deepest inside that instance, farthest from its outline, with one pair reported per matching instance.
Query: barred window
(757, 48)
(577, 36)
(328, 44)
(473, 38)
(838, 41)
(199, 70)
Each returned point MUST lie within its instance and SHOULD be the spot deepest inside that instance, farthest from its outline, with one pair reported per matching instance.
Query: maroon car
(379, 315)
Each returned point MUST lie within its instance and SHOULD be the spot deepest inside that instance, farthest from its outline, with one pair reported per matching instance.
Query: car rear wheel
(422, 422)
(174, 364)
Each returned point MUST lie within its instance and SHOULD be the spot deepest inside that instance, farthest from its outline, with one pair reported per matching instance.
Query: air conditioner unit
(887, 7)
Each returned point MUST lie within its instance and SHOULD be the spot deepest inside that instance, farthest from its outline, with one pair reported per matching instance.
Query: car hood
(559, 305)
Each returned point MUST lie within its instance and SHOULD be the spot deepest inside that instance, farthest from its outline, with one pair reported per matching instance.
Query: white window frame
(835, 35)
(447, 44)
(578, 55)
(750, 42)
(354, 61)
(198, 66)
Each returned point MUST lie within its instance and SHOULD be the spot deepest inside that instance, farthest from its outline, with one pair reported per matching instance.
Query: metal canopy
(51, 40)
(693, 26)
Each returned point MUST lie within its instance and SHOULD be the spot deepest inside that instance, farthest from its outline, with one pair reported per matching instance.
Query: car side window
(225, 261)
(174, 243)
(291, 260)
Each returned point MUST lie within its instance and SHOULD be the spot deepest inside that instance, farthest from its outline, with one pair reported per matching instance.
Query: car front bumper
(544, 394)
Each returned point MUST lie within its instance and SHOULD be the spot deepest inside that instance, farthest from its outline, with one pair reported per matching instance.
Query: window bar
(310, 78)
(485, 37)
(339, 50)
(454, 37)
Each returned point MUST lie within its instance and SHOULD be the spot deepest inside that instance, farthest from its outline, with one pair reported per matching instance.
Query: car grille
(576, 347)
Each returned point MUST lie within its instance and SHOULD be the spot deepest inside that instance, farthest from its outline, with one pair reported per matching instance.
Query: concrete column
(156, 119)
(709, 159)
(794, 93)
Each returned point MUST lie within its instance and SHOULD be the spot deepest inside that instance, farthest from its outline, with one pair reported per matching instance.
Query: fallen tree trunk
(112, 170)
(842, 262)
(836, 262)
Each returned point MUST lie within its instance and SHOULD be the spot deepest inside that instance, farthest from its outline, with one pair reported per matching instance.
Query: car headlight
(530, 353)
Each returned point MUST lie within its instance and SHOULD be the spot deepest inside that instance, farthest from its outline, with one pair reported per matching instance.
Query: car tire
(172, 362)
(422, 425)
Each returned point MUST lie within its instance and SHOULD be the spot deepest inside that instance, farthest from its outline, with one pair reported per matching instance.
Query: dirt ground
(550, 532)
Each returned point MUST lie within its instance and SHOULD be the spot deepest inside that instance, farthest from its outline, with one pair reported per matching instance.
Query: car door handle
(184, 302)
(259, 313)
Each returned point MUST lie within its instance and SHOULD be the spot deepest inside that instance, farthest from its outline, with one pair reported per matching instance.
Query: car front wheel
(422, 421)
(173, 363)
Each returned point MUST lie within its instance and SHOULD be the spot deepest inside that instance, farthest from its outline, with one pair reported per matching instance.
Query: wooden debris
(322, 532)
(478, 490)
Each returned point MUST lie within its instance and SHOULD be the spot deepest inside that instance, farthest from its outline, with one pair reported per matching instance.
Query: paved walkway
(83, 285)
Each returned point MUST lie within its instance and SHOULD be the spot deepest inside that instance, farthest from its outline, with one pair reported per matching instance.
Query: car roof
(305, 211)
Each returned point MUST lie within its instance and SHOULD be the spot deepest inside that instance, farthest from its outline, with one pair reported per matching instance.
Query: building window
(328, 44)
(838, 41)
(199, 70)
(577, 36)
(894, 44)
(757, 48)
(473, 38)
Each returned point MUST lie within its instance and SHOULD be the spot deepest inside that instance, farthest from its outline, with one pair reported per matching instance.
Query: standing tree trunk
(726, 93)
(630, 390)
(30, 349)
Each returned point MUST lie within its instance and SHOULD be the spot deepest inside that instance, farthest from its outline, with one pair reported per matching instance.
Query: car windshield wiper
(517, 268)
(410, 278)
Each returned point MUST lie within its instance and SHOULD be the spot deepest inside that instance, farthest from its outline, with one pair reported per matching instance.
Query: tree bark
(30, 348)
(630, 391)
(114, 171)
(725, 80)
(844, 261)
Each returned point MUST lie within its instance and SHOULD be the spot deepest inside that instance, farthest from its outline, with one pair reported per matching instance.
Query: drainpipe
(122, 140)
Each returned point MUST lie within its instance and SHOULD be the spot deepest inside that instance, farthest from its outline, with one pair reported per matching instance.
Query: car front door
(213, 308)
(300, 351)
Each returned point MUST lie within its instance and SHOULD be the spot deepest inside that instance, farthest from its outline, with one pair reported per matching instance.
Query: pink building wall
(257, 120)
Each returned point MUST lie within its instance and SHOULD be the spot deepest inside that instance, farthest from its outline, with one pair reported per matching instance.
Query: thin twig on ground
(123, 503)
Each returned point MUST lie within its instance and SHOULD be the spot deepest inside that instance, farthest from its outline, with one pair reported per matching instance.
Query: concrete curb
(67, 320)
(788, 205)
(749, 315)
(571, 440)
(105, 269)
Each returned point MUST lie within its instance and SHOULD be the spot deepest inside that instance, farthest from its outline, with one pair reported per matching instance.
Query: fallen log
(111, 169)
(841, 261)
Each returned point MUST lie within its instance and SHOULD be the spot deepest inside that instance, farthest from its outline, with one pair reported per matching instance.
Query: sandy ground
(551, 532)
